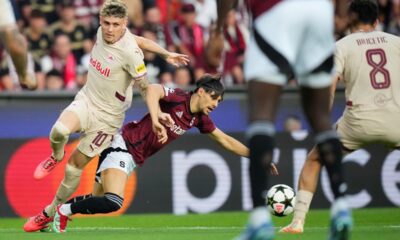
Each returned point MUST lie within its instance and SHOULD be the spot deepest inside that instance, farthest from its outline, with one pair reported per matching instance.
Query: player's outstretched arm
(233, 145)
(175, 59)
(229, 143)
(155, 92)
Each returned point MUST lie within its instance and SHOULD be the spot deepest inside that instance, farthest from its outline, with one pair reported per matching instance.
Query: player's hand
(215, 48)
(274, 170)
(28, 81)
(160, 132)
(166, 119)
(177, 59)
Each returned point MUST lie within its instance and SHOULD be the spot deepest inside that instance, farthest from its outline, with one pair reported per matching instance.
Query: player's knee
(113, 202)
(313, 155)
(329, 147)
(59, 132)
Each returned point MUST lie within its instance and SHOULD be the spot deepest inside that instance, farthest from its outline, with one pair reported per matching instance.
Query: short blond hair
(114, 8)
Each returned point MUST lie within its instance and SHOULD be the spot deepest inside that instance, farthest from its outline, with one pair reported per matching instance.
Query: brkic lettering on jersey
(371, 41)
(96, 64)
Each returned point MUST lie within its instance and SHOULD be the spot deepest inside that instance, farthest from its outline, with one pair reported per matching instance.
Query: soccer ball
(280, 200)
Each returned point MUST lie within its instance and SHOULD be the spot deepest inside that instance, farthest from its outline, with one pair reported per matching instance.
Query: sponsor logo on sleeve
(168, 90)
(140, 69)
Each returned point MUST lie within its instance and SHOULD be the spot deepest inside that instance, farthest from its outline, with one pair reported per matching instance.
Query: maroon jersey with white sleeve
(140, 138)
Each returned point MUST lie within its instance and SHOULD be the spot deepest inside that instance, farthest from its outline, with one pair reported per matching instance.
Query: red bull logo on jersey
(98, 66)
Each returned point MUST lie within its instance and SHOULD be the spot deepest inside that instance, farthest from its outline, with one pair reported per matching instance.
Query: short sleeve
(135, 64)
(205, 124)
(339, 60)
(174, 94)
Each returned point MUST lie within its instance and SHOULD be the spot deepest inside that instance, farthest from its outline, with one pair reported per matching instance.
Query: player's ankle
(59, 156)
(298, 221)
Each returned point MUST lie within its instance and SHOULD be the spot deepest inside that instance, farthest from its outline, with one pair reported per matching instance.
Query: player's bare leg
(113, 185)
(97, 189)
(63, 211)
(307, 185)
(263, 104)
(70, 183)
(67, 187)
(316, 103)
(67, 123)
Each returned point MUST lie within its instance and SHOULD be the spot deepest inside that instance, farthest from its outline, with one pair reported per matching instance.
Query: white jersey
(368, 62)
(7, 17)
(109, 85)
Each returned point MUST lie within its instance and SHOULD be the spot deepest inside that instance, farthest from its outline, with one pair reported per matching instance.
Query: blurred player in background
(98, 110)
(137, 142)
(15, 45)
(367, 61)
(289, 39)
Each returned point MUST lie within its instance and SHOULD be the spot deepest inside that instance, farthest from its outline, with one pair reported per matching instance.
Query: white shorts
(96, 134)
(7, 17)
(359, 129)
(116, 156)
(298, 37)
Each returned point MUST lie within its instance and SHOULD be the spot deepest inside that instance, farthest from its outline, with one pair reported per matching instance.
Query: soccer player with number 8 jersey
(367, 61)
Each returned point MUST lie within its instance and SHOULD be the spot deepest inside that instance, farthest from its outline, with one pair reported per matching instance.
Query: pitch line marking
(190, 228)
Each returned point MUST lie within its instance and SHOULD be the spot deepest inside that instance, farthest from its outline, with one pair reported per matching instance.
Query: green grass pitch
(383, 223)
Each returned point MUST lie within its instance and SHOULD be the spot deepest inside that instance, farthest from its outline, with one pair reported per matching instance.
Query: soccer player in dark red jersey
(137, 142)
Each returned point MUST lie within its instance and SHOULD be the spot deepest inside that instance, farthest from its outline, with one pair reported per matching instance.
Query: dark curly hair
(365, 11)
(211, 84)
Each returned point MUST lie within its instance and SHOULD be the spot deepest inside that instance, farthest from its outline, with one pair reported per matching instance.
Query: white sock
(65, 209)
(259, 216)
(338, 205)
(303, 201)
(67, 187)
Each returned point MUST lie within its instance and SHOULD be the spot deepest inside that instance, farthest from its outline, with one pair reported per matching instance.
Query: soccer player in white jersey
(367, 62)
(289, 39)
(15, 45)
(99, 107)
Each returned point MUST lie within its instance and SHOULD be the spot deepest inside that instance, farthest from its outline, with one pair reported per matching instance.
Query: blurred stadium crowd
(61, 33)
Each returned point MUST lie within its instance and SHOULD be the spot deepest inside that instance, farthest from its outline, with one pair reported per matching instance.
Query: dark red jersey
(257, 7)
(140, 138)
